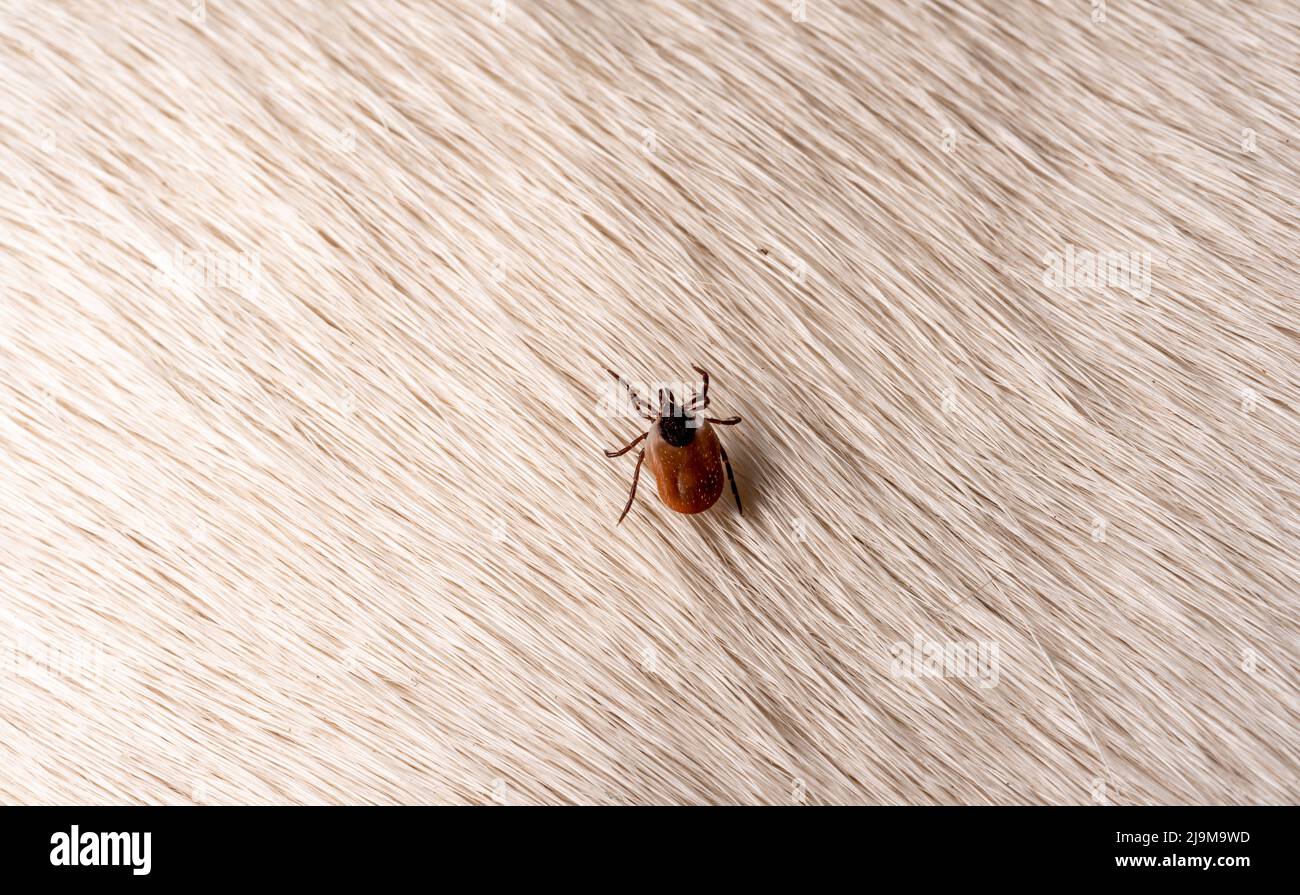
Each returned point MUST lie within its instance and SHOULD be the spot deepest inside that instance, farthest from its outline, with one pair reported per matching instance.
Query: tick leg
(731, 477)
(701, 398)
(641, 406)
(631, 444)
(729, 421)
(635, 476)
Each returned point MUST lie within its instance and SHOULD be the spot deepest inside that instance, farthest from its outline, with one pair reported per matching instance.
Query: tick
(685, 455)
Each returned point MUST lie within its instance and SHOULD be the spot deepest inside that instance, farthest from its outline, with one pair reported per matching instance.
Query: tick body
(685, 456)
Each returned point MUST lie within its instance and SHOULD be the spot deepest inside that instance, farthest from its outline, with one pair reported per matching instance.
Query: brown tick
(685, 455)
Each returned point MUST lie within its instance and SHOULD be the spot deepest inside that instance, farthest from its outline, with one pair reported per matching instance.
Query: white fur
(304, 310)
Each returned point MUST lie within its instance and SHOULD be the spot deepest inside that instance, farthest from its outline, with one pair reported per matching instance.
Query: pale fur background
(340, 529)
